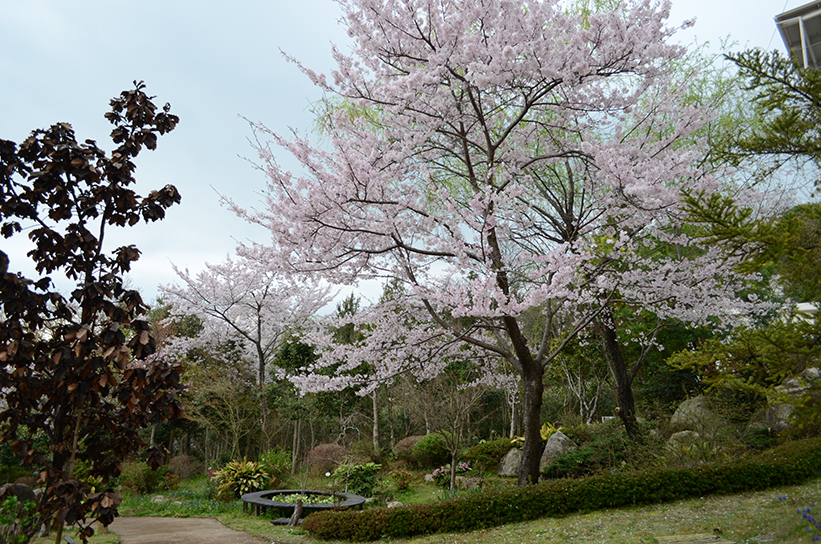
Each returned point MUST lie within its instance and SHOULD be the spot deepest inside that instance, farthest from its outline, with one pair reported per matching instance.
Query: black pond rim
(261, 498)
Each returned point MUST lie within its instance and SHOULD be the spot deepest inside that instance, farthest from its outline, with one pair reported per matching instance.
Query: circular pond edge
(262, 499)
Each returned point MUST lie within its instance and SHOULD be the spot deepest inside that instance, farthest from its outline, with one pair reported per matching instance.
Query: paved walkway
(178, 531)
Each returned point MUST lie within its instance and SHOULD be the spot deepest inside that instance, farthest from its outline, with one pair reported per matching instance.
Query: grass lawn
(750, 518)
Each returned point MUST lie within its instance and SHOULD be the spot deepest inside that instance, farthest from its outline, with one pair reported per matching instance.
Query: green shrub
(276, 462)
(430, 451)
(239, 477)
(485, 457)
(138, 478)
(402, 479)
(608, 449)
(789, 464)
(403, 450)
(358, 478)
(18, 520)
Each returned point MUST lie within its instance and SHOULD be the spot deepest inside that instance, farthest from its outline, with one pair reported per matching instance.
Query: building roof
(800, 30)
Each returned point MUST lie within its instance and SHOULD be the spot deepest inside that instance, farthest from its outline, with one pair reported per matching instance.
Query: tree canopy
(515, 156)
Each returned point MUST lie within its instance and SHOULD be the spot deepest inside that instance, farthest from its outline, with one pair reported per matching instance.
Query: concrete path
(178, 531)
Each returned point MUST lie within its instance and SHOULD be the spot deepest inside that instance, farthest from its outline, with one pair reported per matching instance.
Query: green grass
(752, 518)
(103, 536)
(192, 498)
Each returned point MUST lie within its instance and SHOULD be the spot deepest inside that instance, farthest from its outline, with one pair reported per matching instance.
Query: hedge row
(789, 464)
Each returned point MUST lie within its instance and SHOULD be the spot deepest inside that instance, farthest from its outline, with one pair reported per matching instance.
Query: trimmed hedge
(789, 464)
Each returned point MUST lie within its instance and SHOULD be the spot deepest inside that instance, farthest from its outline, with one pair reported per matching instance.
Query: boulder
(792, 386)
(23, 492)
(777, 416)
(695, 414)
(394, 504)
(557, 445)
(683, 439)
(465, 483)
(812, 373)
(509, 465)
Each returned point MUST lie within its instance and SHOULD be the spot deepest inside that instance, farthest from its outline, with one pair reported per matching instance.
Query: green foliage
(606, 450)
(789, 464)
(485, 456)
(276, 462)
(754, 360)
(137, 477)
(18, 521)
(787, 106)
(183, 502)
(760, 438)
(430, 451)
(402, 479)
(441, 475)
(239, 477)
(358, 478)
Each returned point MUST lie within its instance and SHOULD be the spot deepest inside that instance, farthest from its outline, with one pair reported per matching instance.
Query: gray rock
(777, 416)
(23, 492)
(509, 465)
(812, 373)
(465, 483)
(394, 504)
(682, 439)
(695, 414)
(558, 444)
(792, 387)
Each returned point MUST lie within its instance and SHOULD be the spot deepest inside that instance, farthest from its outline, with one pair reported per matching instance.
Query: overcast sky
(215, 62)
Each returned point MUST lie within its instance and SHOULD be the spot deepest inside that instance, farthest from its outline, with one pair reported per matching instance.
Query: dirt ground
(178, 531)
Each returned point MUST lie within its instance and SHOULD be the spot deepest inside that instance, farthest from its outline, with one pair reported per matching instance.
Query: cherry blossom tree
(248, 301)
(500, 156)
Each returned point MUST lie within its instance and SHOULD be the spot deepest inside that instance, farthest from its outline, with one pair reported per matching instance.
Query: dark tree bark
(624, 379)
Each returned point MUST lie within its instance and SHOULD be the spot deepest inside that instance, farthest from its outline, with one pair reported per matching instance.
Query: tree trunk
(375, 424)
(532, 450)
(453, 455)
(294, 521)
(294, 453)
(512, 404)
(624, 385)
